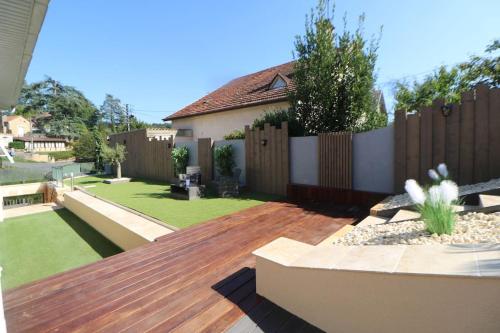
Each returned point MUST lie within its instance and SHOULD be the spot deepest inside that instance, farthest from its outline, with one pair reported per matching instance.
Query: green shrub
(224, 160)
(16, 144)
(180, 156)
(275, 118)
(62, 155)
(235, 135)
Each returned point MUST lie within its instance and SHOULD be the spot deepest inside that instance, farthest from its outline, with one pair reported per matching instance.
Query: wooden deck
(197, 279)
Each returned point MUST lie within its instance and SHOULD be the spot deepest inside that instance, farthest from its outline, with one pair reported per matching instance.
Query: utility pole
(128, 117)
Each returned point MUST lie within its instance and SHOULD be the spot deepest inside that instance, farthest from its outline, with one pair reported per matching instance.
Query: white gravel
(403, 200)
(469, 228)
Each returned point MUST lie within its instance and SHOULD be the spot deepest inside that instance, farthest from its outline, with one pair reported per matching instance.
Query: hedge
(16, 144)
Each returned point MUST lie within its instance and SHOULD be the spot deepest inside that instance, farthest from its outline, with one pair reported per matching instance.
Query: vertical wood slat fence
(147, 158)
(205, 159)
(267, 159)
(335, 160)
(467, 139)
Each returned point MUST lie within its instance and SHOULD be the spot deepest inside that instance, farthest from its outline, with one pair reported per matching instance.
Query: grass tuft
(439, 218)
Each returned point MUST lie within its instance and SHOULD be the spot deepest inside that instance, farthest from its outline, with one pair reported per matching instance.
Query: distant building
(40, 143)
(16, 125)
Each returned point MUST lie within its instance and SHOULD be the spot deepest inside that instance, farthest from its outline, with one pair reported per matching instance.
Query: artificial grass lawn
(152, 198)
(38, 245)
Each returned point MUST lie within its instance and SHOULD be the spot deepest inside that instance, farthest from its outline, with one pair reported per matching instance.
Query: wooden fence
(266, 159)
(147, 158)
(335, 160)
(465, 136)
(205, 159)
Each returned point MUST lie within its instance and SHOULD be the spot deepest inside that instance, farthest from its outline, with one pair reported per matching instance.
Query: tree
(334, 77)
(115, 156)
(89, 148)
(69, 112)
(113, 112)
(449, 84)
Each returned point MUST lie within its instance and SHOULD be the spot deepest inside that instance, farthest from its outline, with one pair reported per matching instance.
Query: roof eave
(228, 108)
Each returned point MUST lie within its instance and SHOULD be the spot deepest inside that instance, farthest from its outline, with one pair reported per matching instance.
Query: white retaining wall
(304, 160)
(193, 150)
(373, 160)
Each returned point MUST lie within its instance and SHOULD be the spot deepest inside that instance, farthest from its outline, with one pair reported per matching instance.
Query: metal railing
(59, 173)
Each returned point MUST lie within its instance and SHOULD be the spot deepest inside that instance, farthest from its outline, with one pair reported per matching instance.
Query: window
(277, 82)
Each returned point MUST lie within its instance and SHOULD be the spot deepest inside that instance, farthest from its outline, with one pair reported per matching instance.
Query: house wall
(5, 139)
(46, 146)
(17, 127)
(216, 125)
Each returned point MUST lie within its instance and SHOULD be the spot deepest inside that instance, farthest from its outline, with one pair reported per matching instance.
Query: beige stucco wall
(45, 146)
(354, 301)
(383, 288)
(216, 125)
(13, 126)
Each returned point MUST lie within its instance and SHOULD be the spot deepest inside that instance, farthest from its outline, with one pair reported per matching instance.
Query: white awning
(20, 23)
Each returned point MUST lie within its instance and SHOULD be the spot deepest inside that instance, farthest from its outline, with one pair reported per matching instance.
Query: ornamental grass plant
(435, 204)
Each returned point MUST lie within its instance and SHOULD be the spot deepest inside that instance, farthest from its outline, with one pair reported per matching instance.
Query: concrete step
(372, 220)
(336, 235)
(488, 200)
(404, 215)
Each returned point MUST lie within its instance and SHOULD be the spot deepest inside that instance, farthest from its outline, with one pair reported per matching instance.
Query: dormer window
(278, 82)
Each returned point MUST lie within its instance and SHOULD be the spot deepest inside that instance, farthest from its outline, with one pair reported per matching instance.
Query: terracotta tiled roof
(248, 90)
(39, 138)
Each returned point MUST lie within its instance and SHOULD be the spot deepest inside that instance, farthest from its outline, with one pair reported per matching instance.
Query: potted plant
(180, 157)
(224, 162)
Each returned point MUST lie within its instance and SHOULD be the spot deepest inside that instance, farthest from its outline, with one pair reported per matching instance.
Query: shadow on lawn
(103, 246)
(165, 194)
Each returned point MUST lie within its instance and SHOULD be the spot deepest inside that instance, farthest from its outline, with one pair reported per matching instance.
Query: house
(16, 125)
(41, 143)
(234, 105)
(239, 103)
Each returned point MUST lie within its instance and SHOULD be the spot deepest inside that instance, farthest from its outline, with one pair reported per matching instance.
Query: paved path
(197, 279)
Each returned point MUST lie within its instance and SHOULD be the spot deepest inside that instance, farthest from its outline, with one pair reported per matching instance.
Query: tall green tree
(334, 77)
(113, 112)
(449, 83)
(69, 111)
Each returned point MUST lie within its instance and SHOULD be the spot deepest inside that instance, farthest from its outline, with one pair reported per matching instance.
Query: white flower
(433, 175)
(435, 194)
(443, 170)
(449, 191)
(415, 191)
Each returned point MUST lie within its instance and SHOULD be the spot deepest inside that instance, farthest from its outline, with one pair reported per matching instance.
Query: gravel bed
(469, 228)
(403, 200)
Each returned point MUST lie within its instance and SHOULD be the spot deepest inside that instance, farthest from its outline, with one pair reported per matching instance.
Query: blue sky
(159, 56)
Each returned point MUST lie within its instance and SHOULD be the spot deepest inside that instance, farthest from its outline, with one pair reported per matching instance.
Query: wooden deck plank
(201, 277)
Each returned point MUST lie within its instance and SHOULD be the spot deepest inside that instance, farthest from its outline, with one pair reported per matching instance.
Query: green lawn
(152, 198)
(36, 246)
